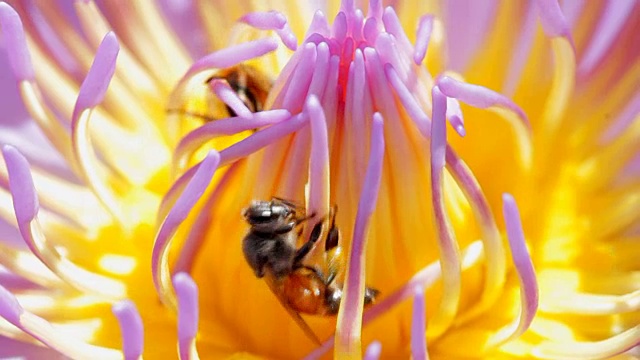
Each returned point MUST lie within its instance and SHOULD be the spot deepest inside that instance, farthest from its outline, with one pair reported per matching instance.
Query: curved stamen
(26, 206)
(592, 304)
(373, 351)
(237, 151)
(349, 322)
(188, 313)
(232, 56)
(483, 98)
(16, 42)
(409, 102)
(610, 24)
(131, 328)
(229, 97)
(40, 329)
(526, 276)
(418, 326)
(319, 173)
(491, 239)
(454, 115)
(229, 126)
(447, 245)
(267, 20)
(92, 92)
(425, 278)
(604, 349)
(552, 19)
(196, 237)
(194, 189)
(425, 26)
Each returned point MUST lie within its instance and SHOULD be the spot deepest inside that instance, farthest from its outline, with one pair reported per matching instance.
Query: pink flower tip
(16, 43)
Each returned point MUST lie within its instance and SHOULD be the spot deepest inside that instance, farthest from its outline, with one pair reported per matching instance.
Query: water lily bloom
(480, 158)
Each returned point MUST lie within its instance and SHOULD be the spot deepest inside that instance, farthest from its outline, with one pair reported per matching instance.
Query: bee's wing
(276, 288)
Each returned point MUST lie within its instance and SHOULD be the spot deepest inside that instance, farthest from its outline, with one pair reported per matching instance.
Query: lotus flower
(421, 123)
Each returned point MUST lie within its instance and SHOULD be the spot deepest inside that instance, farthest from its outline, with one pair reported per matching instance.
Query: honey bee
(193, 103)
(270, 248)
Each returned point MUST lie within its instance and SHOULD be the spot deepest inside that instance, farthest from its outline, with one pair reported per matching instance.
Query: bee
(193, 103)
(270, 248)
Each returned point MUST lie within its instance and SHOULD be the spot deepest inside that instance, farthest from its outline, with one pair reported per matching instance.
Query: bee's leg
(307, 246)
(333, 238)
(370, 295)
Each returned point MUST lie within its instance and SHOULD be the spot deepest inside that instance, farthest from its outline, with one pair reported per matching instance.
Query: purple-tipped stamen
(373, 351)
(184, 204)
(131, 328)
(26, 203)
(227, 95)
(288, 38)
(423, 35)
(349, 323)
(233, 55)
(552, 18)
(447, 245)
(227, 126)
(454, 115)
(269, 20)
(96, 83)
(609, 26)
(409, 102)
(526, 275)
(418, 326)
(16, 43)
(318, 159)
(188, 315)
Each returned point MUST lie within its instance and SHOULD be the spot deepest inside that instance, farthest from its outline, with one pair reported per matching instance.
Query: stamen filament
(26, 206)
(526, 276)
(42, 330)
(188, 315)
(228, 96)
(91, 94)
(373, 351)
(191, 142)
(447, 245)
(418, 326)
(603, 349)
(349, 322)
(425, 26)
(131, 328)
(194, 189)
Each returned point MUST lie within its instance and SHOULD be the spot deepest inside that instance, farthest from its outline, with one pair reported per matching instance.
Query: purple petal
(16, 43)
(552, 18)
(467, 25)
(609, 26)
(418, 326)
(10, 309)
(425, 26)
(131, 328)
(25, 199)
(95, 85)
(227, 95)
(193, 191)
(269, 20)
(373, 351)
(349, 323)
(188, 313)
